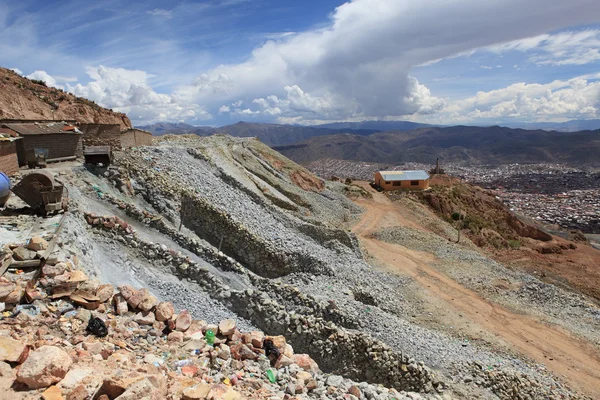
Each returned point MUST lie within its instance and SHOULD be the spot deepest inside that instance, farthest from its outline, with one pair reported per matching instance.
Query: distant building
(61, 139)
(396, 180)
(9, 163)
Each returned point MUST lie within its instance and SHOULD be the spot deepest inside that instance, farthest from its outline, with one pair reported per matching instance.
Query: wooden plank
(5, 264)
(26, 264)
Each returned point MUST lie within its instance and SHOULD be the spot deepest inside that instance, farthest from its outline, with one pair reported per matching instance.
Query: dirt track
(569, 357)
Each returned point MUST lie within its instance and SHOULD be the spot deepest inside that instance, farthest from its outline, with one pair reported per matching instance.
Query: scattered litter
(97, 327)
(28, 309)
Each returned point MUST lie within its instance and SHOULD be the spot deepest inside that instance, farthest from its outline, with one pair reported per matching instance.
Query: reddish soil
(307, 181)
(572, 358)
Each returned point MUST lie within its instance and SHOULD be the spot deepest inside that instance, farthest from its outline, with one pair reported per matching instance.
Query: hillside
(373, 296)
(22, 98)
(270, 134)
(460, 144)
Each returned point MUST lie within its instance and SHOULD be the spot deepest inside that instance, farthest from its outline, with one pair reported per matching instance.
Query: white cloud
(358, 66)
(17, 70)
(224, 109)
(563, 48)
(44, 76)
(128, 91)
(159, 12)
(577, 98)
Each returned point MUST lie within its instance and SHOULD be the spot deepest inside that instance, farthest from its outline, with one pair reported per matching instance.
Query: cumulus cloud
(46, 77)
(358, 65)
(128, 91)
(577, 98)
(17, 70)
(563, 48)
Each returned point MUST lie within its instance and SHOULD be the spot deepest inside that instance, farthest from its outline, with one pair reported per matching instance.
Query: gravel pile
(224, 173)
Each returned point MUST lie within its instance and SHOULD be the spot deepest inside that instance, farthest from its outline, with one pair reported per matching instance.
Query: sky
(216, 62)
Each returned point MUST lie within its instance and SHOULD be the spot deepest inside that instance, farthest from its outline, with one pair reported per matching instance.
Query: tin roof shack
(396, 180)
(134, 137)
(9, 162)
(59, 138)
(101, 135)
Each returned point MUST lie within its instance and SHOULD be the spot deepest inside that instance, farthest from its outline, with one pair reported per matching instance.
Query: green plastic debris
(210, 337)
(272, 375)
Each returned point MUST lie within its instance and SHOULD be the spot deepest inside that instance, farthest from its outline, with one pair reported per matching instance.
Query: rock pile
(49, 348)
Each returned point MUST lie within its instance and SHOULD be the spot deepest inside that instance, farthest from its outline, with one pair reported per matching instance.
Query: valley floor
(470, 312)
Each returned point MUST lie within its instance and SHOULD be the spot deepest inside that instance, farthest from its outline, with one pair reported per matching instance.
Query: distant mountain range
(281, 135)
(569, 126)
(270, 134)
(487, 145)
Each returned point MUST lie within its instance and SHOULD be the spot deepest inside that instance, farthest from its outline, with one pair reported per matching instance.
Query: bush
(456, 216)
(39, 82)
(348, 181)
(515, 244)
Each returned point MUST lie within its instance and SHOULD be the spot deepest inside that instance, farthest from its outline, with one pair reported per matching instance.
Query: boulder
(175, 336)
(120, 304)
(257, 338)
(22, 254)
(53, 393)
(36, 243)
(305, 362)
(148, 300)
(145, 318)
(44, 367)
(12, 350)
(152, 387)
(196, 392)
(227, 327)
(183, 322)
(52, 271)
(164, 311)
(105, 292)
(222, 392)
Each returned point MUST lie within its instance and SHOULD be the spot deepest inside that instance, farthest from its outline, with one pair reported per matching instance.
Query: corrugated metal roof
(41, 128)
(404, 175)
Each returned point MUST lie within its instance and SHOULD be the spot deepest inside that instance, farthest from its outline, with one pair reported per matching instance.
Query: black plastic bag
(271, 351)
(97, 327)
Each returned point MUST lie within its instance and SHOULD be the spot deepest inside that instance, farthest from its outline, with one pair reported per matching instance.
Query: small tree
(459, 219)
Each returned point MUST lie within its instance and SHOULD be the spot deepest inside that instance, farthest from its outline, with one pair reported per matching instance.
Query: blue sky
(221, 61)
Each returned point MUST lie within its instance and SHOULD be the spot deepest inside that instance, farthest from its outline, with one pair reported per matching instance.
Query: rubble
(57, 356)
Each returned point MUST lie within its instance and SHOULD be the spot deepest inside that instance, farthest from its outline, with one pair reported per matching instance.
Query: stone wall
(101, 135)
(9, 163)
(58, 144)
(135, 137)
(260, 256)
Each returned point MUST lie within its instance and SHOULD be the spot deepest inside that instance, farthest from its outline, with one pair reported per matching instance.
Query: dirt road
(567, 356)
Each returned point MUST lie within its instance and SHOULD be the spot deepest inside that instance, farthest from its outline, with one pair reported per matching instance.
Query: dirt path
(574, 359)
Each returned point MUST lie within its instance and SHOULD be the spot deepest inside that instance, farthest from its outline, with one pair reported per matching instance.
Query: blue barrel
(4, 188)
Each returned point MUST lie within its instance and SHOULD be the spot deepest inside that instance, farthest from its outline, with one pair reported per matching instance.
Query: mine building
(397, 180)
(134, 137)
(61, 140)
(9, 163)
(112, 135)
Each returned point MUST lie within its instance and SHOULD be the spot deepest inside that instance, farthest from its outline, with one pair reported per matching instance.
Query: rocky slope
(228, 229)
(22, 98)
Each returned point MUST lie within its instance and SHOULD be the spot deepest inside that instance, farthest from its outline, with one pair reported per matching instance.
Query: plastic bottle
(272, 375)
(210, 337)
